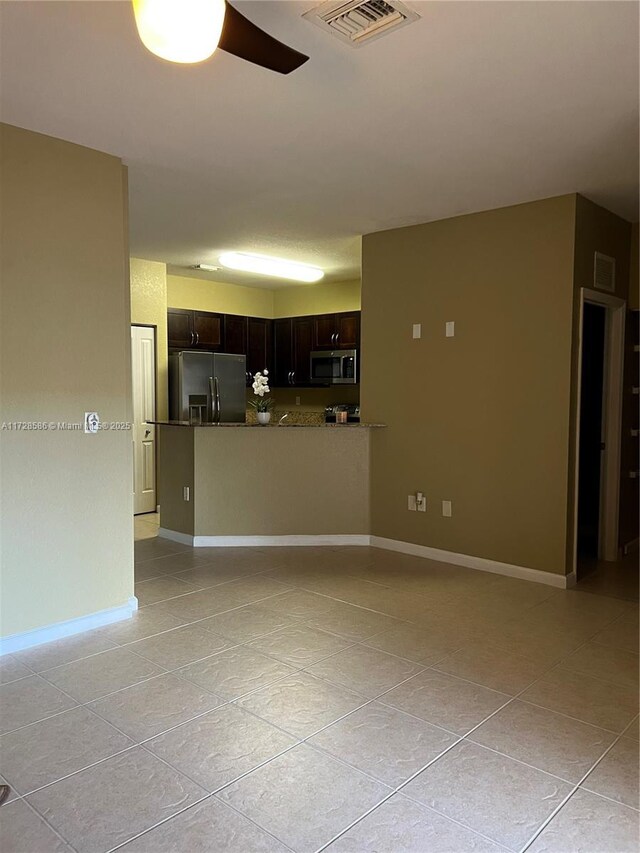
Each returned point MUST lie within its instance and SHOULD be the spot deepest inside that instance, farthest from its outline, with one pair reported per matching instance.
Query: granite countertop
(284, 425)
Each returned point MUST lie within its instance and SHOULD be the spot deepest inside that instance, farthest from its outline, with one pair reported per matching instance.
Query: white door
(143, 361)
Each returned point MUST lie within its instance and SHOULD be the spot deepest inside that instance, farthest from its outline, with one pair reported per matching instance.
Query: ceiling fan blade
(242, 38)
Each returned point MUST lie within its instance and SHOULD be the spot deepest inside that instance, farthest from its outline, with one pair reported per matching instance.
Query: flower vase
(263, 417)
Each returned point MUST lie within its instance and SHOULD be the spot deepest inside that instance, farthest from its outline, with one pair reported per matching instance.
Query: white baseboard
(269, 541)
(18, 642)
(484, 565)
(175, 536)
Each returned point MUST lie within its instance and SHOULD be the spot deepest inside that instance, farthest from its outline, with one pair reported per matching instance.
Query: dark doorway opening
(591, 434)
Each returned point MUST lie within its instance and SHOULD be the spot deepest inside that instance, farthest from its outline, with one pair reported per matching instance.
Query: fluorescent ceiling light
(180, 30)
(276, 267)
(206, 267)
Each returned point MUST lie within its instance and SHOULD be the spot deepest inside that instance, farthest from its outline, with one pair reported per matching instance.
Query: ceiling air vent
(358, 22)
(604, 272)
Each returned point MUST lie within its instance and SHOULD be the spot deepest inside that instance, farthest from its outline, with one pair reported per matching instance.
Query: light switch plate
(446, 509)
(450, 329)
(417, 330)
(91, 422)
(411, 503)
(185, 493)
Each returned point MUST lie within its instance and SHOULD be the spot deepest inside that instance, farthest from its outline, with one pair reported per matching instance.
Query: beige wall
(205, 295)
(308, 481)
(316, 299)
(481, 419)
(149, 308)
(66, 511)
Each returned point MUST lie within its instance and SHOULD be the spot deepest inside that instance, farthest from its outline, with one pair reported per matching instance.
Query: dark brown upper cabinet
(337, 331)
(188, 329)
(259, 345)
(235, 334)
(293, 343)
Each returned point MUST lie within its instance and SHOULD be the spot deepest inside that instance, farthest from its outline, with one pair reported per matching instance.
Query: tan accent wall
(149, 308)
(206, 295)
(316, 299)
(480, 419)
(266, 482)
(67, 509)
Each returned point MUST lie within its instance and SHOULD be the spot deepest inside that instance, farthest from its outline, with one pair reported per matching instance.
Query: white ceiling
(477, 105)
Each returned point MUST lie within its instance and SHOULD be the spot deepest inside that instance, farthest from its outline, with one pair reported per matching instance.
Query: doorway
(143, 366)
(601, 343)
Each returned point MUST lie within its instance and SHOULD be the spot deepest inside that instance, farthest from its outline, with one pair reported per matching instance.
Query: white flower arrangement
(260, 388)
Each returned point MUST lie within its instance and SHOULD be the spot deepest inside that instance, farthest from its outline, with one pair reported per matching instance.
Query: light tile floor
(342, 699)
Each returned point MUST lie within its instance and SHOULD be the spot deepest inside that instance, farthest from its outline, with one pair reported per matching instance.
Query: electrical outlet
(297, 401)
(450, 329)
(411, 503)
(446, 509)
(417, 330)
(421, 502)
(185, 493)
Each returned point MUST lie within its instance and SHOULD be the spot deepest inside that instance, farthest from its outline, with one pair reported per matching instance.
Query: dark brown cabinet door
(337, 331)
(348, 330)
(180, 328)
(208, 329)
(235, 334)
(259, 345)
(325, 331)
(303, 331)
(282, 352)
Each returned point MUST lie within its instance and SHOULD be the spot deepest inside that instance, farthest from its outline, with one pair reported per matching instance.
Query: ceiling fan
(189, 31)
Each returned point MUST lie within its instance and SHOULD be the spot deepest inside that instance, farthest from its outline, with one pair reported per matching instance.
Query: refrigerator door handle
(214, 390)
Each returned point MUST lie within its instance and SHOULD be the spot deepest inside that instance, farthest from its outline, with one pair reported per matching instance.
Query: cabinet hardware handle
(293, 377)
(197, 338)
(192, 338)
(337, 337)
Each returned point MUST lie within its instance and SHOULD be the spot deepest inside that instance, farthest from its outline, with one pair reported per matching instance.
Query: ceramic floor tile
(546, 740)
(633, 729)
(207, 576)
(301, 704)
(145, 622)
(402, 826)
(239, 670)
(304, 798)
(245, 623)
(13, 793)
(146, 709)
(615, 665)
(591, 700)
(383, 742)
(496, 796)
(23, 831)
(445, 701)
(11, 669)
(256, 588)
(366, 670)
(425, 645)
(621, 634)
(46, 751)
(108, 804)
(192, 831)
(616, 776)
(220, 746)
(298, 645)
(492, 667)
(29, 700)
(300, 604)
(66, 650)
(149, 569)
(177, 648)
(353, 623)
(160, 589)
(588, 823)
(200, 605)
(98, 675)
(158, 547)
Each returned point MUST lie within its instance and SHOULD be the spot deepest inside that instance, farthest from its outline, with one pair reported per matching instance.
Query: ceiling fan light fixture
(183, 31)
(274, 267)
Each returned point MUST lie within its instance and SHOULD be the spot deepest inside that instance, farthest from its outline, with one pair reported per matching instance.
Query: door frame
(612, 392)
(155, 404)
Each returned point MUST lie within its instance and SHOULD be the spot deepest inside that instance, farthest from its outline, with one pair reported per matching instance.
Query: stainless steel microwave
(334, 367)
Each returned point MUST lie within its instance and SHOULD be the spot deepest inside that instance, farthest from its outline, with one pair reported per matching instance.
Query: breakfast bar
(246, 484)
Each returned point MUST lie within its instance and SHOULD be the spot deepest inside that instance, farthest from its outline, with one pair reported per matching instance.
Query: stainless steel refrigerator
(207, 387)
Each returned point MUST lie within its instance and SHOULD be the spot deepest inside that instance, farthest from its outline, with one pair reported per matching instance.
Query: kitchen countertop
(270, 425)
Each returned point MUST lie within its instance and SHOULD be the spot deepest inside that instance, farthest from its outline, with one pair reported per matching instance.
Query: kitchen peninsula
(245, 484)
